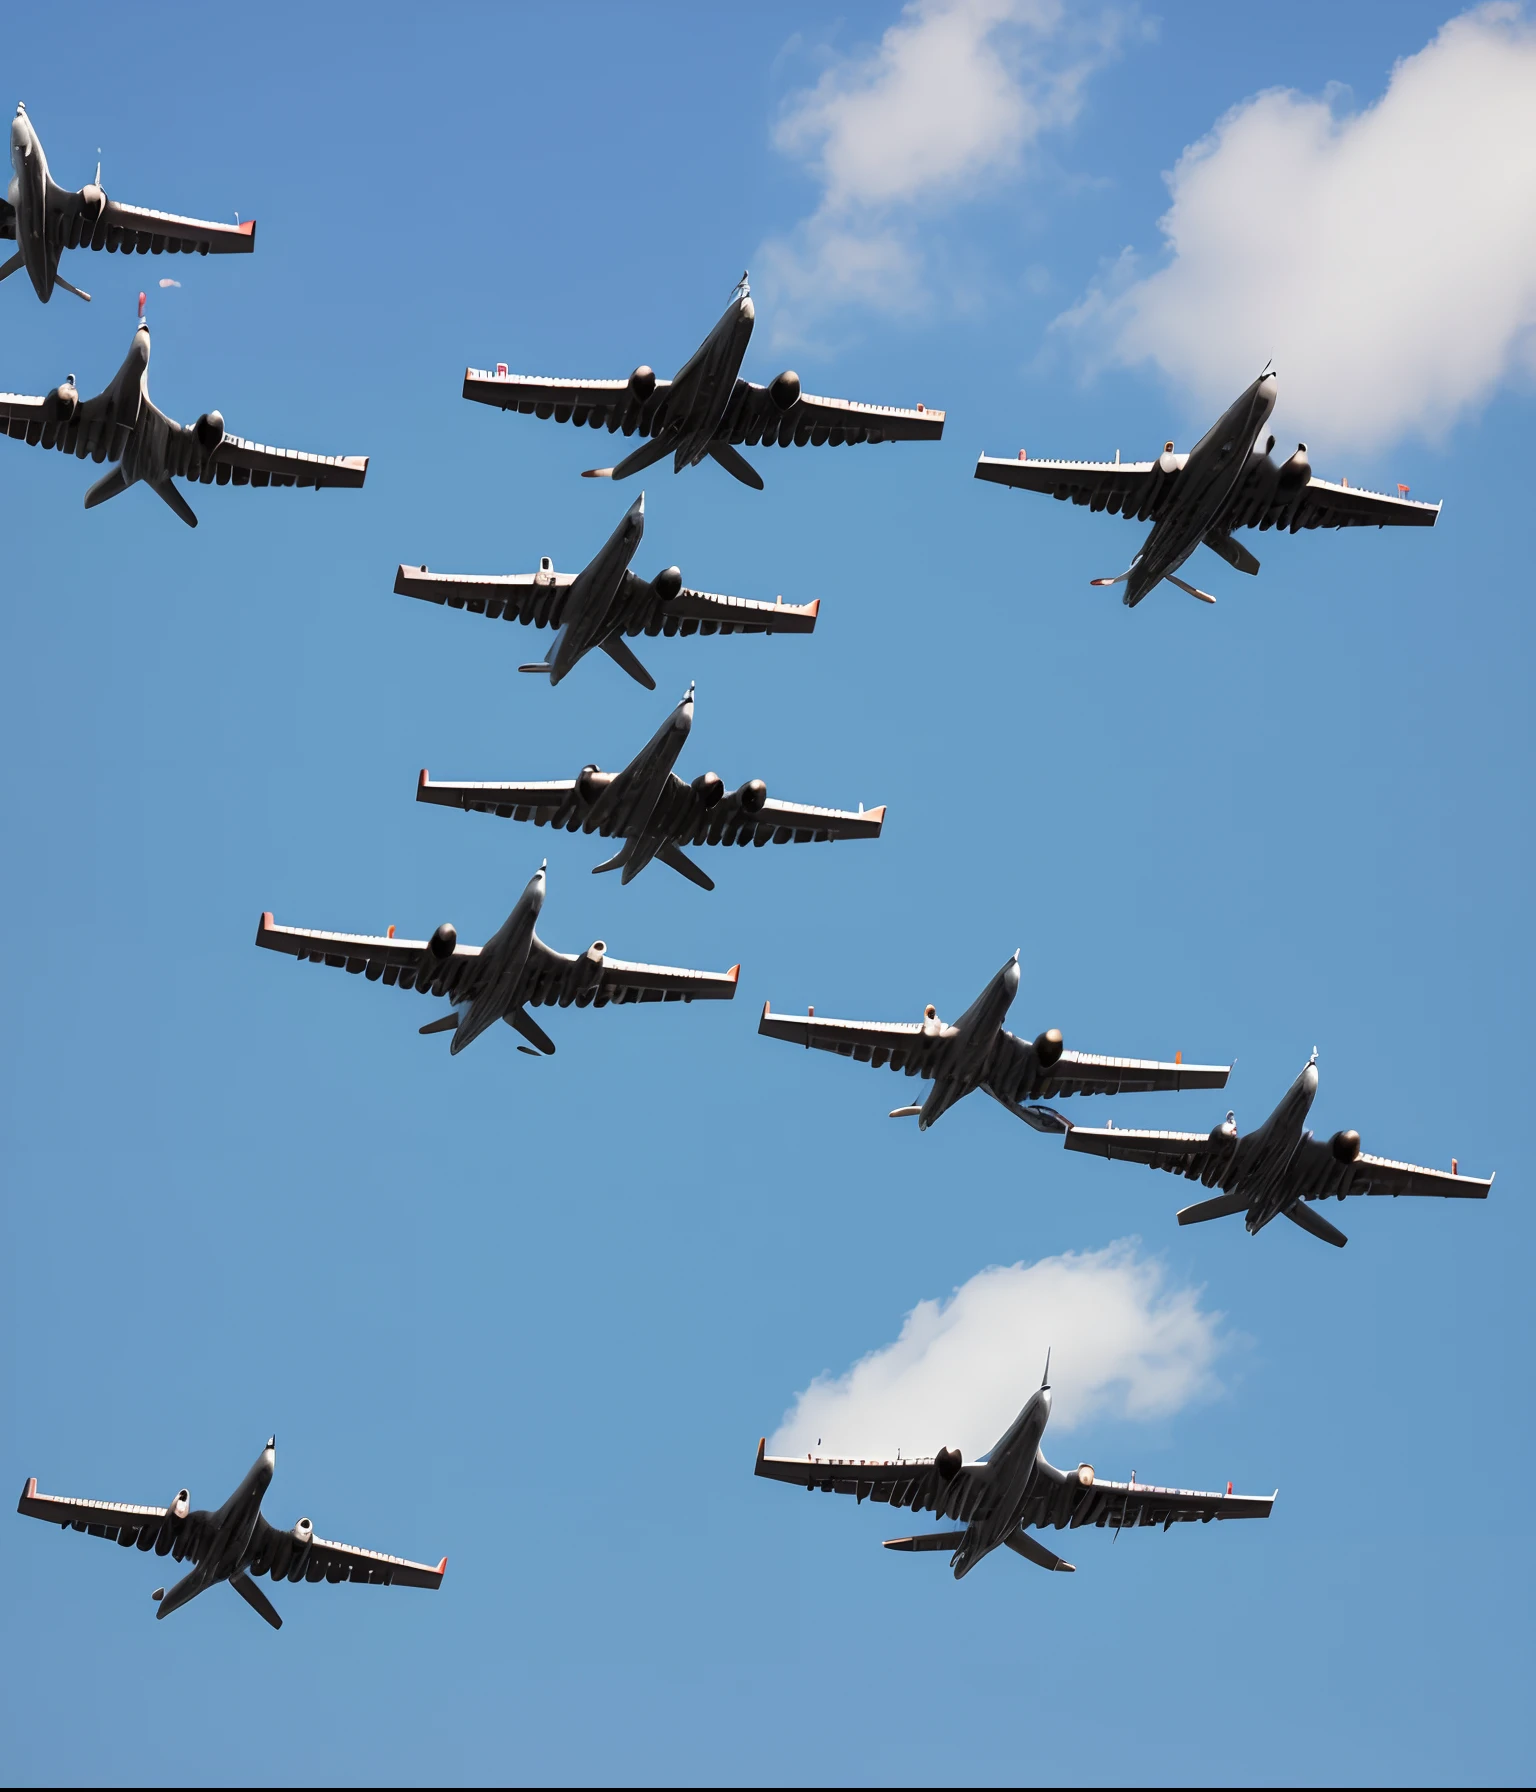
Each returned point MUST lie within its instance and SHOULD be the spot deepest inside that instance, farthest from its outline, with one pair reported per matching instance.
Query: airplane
(44, 220)
(705, 408)
(978, 1052)
(231, 1545)
(122, 425)
(653, 812)
(1225, 482)
(1001, 1496)
(605, 601)
(1277, 1168)
(502, 979)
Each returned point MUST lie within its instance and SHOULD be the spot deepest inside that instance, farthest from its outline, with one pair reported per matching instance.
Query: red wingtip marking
(442, 1566)
(815, 607)
(248, 228)
(762, 1448)
(764, 1014)
(877, 814)
(734, 972)
(421, 782)
(31, 1492)
(266, 918)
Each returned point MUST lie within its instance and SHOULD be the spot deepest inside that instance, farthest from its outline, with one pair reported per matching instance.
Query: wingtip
(764, 1015)
(266, 923)
(422, 781)
(734, 973)
(762, 1451)
(877, 816)
(597, 473)
(248, 228)
(442, 1567)
(814, 607)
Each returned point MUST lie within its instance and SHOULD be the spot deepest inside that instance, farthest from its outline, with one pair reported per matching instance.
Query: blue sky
(536, 1315)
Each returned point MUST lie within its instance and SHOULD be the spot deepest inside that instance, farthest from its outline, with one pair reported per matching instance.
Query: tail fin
(950, 1540)
(1303, 1216)
(165, 489)
(1021, 1543)
(684, 866)
(255, 1598)
(108, 487)
(621, 656)
(737, 465)
(1217, 1208)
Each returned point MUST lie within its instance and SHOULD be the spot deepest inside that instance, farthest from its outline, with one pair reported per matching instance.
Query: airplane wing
(1320, 504)
(150, 1527)
(236, 461)
(126, 229)
(1180, 1153)
(753, 418)
(409, 964)
(904, 1045)
(779, 823)
(924, 1485)
(1068, 1500)
(592, 979)
(1124, 488)
(91, 431)
(1018, 1076)
(342, 1561)
(1319, 1175)
(599, 404)
(708, 613)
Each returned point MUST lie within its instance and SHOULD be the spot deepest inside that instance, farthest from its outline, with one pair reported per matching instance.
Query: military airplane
(705, 408)
(122, 425)
(502, 979)
(1277, 1168)
(1225, 482)
(1003, 1495)
(605, 601)
(653, 812)
(44, 221)
(231, 1545)
(978, 1052)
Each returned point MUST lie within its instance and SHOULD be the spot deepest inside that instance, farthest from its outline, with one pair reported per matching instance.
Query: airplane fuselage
(28, 193)
(1011, 1468)
(503, 958)
(593, 603)
(630, 802)
(1264, 1155)
(703, 387)
(229, 1531)
(969, 1044)
(1203, 486)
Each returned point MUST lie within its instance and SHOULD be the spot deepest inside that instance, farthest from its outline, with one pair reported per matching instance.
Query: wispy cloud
(1385, 257)
(946, 106)
(1122, 1341)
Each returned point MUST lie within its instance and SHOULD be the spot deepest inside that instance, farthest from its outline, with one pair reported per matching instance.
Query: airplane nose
(1011, 975)
(1309, 1079)
(747, 311)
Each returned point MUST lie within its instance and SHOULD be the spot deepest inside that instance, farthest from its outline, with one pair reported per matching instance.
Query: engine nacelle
(61, 404)
(753, 796)
(180, 1506)
(1169, 463)
(784, 390)
(93, 202)
(1345, 1146)
(947, 1462)
(932, 1025)
(592, 783)
(589, 969)
(441, 945)
(667, 583)
(209, 430)
(1226, 1133)
(709, 787)
(1048, 1048)
(642, 383)
(1297, 471)
(1085, 1474)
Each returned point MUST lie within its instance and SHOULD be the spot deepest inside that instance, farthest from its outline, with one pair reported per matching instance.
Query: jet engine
(753, 796)
(1085, 1474)
(175, 1513)
(592, 783)
(1169, 463)
(642, 383)
(932, 1025)
(441, 945)
(947, 1462)
(1226, 1133)
(589, 967)
(784, 390)
(298, 1541)
(709, 787)
(1297, 471)
(1345, 1147)
(209, 429)
(61, 404)
(667, 583)
(1048, 1048)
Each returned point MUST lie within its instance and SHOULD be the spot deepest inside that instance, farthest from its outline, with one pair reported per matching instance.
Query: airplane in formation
(1225, 482)
(604, 602)
(978, 1052)
(44, 220)
(122, 425)
(1277, 1168)
(232, 1545)
(501, 980)
(653, 812)
(1005, 1494)
(705, 408)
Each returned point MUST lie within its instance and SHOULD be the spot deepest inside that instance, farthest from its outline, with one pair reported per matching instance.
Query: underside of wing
(708, 613)
(597, 404)
(409, 964)
(592, 979)
(1319, 1175)
(129, 229)
(939, 1484)
(1181, 1153)
(900, 1044)
(343, 1561)
(1324, 505)
(88, 428)
(778, 823)
(534, 598)
(754, 419)
(1123, 488)
(555, 801)
(1069, 1500)
(236, 461)
(1083, 1073)
(160, 1528)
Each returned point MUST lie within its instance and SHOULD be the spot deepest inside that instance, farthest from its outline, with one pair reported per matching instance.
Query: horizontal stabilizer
(645, 456)
(1022, 1544)
(950, 1540)
(255, 1598)
(684, 866)
(598, 473)
(106, 487)
(1193, 590)
(1119, 579)
(616, 863)
(905, 1113)
(737, 465)
(1034, 1114)
(524, 1023)
(542, 667)
(165, 490)
(619, 653)
(1314, 1223)
(1217, 1208)
(1233, 552)
(445, 1023)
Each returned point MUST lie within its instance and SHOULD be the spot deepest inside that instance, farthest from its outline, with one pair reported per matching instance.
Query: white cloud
(1122, 1342)
(948, 102)
(1386, 258)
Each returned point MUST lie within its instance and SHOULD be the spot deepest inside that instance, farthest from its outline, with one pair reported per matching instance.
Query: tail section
(116, 481)
(165, 490)
(1303, 1216)
(255, 1598)
(1022, 1544)
(930, 1540)
(619, 653)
